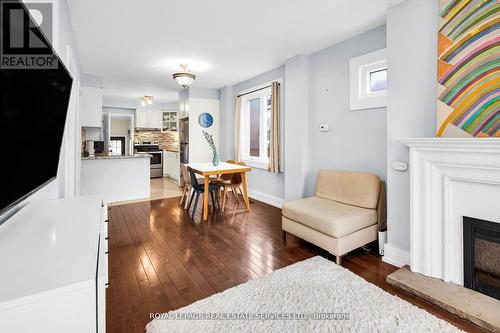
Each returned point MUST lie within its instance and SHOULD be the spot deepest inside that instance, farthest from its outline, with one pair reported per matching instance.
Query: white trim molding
(449, 178)
(266, 198)
(395, 256)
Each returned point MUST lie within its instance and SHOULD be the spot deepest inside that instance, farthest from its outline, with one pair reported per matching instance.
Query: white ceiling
(137, 45)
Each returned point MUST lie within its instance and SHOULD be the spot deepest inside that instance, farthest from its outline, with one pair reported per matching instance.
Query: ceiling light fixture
(184, 77)
(146, 100)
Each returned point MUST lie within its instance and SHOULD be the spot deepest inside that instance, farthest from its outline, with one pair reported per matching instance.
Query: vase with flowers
(210, 140)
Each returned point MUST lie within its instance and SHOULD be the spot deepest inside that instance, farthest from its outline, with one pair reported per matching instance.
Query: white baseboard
(266, 198)
(395, 256)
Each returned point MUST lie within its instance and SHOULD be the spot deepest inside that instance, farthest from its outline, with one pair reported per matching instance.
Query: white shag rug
(311, 286)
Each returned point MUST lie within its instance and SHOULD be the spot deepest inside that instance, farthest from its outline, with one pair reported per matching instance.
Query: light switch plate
(324, 128)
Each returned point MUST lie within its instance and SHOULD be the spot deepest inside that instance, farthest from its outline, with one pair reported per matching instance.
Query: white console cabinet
(54, 267)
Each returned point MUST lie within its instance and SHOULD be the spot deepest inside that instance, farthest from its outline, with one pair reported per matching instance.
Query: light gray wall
(171, 106)
(258, 180)
(89, 80)
(198, 93)
(315, 90)
(357, 139)
(411, 56)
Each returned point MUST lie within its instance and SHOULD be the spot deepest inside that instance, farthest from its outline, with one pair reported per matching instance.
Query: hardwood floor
(161, 260)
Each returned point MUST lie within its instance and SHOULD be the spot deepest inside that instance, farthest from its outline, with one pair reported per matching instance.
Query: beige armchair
(346, 212)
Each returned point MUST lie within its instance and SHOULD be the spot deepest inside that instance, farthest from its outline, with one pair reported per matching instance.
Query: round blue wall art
(205, 120)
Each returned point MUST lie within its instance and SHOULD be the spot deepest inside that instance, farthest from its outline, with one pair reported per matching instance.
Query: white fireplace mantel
(449, 178)
(462, 144)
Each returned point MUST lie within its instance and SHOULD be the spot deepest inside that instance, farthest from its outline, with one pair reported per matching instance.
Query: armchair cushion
(329, 217)
(352, 188)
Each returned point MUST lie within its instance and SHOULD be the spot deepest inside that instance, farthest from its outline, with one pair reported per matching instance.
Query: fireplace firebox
(482, 256)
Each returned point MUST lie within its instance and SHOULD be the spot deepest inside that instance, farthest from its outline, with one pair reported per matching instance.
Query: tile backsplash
(166, 140)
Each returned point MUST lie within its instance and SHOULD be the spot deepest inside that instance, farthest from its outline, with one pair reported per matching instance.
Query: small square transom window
(378, 80)
(368, 81)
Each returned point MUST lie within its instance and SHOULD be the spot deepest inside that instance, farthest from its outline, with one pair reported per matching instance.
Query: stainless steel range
(156, 160)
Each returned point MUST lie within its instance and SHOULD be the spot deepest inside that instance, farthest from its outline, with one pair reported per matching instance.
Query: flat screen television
(33, 107)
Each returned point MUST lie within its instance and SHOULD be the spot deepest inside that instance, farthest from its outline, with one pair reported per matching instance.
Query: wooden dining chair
(224, 178)
(186, 188)
(227, 176)
(234, 183)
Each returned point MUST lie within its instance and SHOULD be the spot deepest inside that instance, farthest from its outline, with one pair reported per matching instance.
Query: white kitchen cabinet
(171, 165)
(165, 160)
(91, 110)
(169, 121)
(148, 119)
(141, 119)
(156, 119)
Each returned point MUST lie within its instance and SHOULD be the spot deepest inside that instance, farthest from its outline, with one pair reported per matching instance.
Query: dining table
(206, 170)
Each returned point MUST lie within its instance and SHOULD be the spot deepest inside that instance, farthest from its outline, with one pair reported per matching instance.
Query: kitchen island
(116, 178)
(115, 157)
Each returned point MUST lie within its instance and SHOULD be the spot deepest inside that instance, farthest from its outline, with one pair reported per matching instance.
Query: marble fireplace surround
(449, 178)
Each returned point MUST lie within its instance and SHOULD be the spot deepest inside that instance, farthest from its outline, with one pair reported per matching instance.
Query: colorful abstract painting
(469, 68)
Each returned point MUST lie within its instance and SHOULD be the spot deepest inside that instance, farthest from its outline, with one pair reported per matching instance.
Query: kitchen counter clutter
(115, 157)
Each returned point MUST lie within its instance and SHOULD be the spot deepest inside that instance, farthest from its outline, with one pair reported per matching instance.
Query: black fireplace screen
(482, 256)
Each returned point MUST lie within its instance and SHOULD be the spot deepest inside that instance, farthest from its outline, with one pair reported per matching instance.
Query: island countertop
(115, 157)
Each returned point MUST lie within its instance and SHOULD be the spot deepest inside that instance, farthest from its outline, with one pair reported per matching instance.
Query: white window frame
(261, 162)
(361, 97)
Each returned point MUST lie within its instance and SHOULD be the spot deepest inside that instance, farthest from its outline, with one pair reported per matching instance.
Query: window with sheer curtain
(257, 128)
